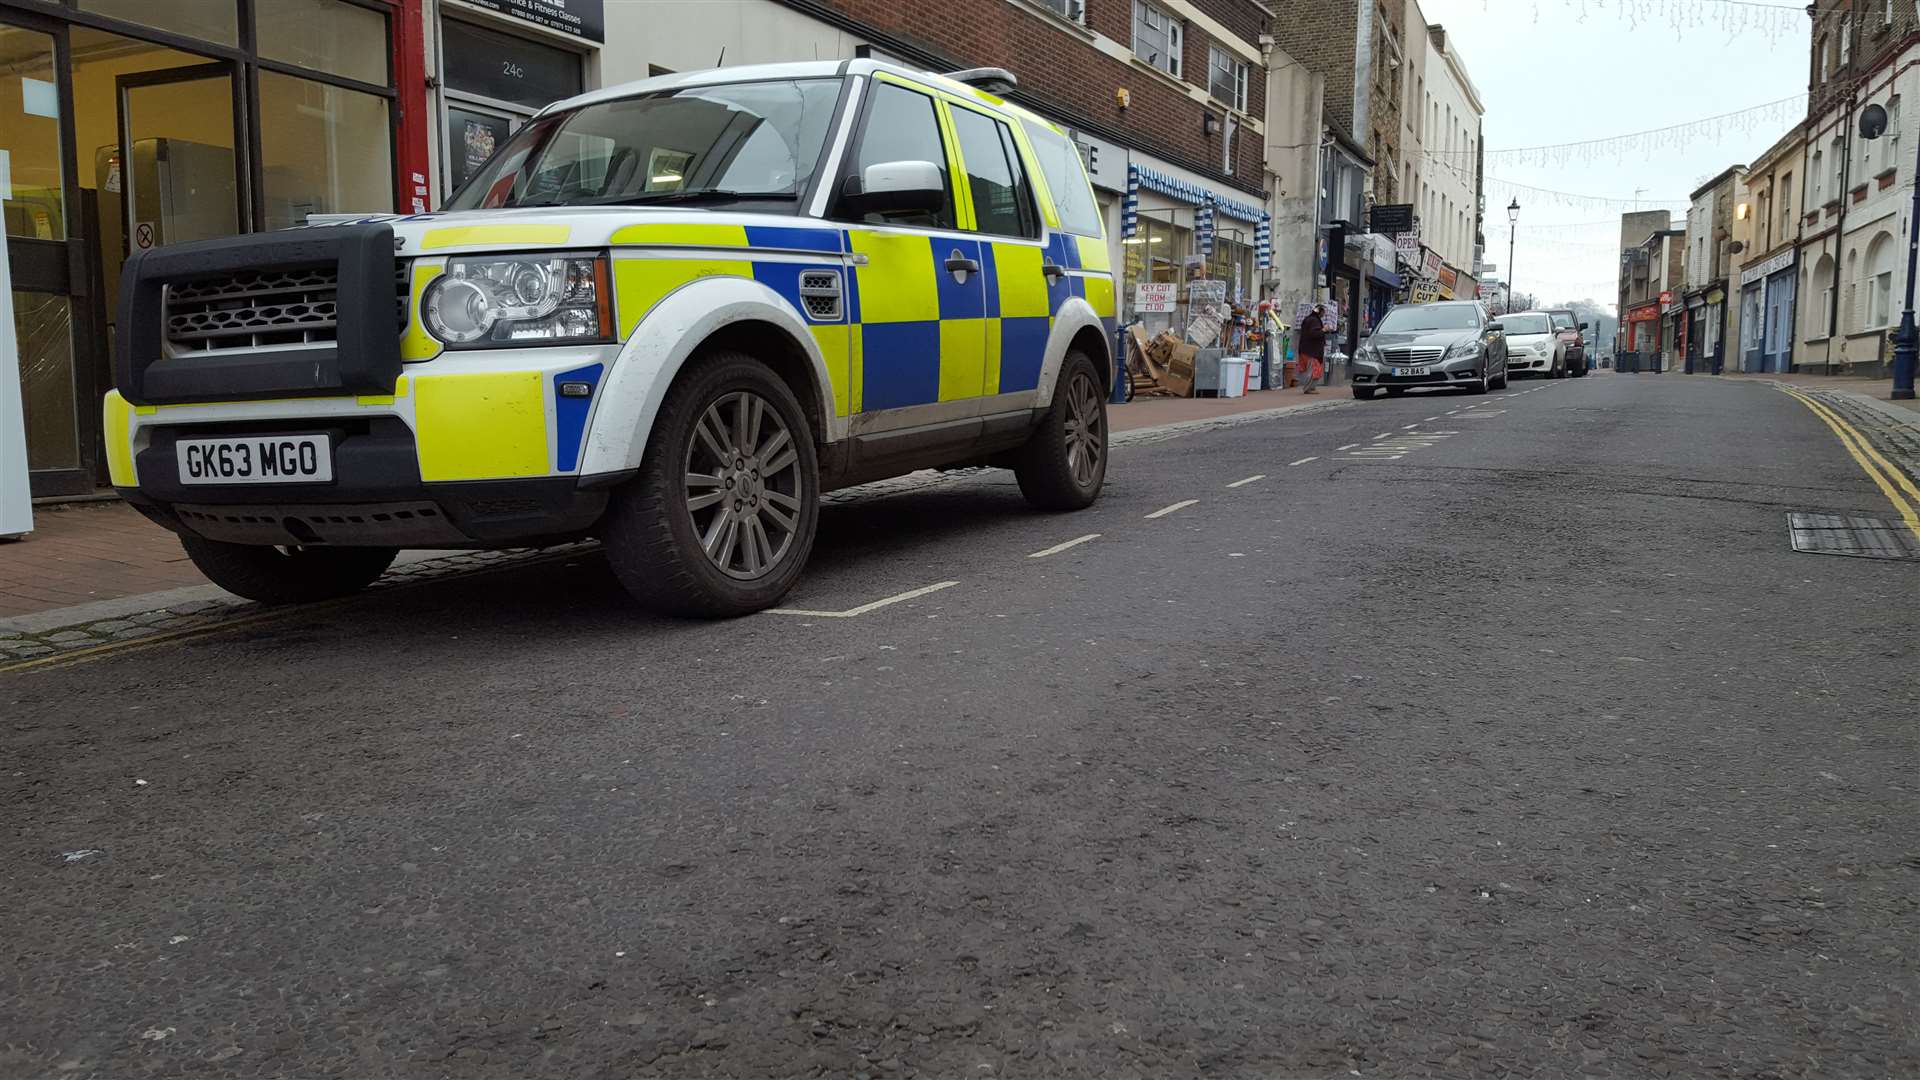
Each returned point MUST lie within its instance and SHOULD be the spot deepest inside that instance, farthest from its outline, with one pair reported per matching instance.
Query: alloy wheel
(743, 486)
(1085, 429)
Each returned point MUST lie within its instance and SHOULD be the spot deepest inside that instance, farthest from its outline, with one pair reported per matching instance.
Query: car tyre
(722, 517)
(1063, 464)
(1363, 393)
(1480, 385)
(288, 575)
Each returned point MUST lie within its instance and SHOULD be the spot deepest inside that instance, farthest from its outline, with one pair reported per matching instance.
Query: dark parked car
(1452, 343)
(1573, 333)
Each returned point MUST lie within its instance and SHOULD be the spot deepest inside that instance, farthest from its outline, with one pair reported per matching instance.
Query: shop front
(1766, 314)
(127, 124)
(499, 62)
(1175, 230)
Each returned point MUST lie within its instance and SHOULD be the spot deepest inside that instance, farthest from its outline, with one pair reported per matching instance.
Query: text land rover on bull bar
(669, 314)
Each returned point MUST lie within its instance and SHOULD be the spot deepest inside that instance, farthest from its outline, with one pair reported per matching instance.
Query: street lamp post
(1906, 340)
(1513, 233)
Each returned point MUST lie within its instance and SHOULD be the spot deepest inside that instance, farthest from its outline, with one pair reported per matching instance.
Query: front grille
(254, 309)
(1412, 354)
(403, 289)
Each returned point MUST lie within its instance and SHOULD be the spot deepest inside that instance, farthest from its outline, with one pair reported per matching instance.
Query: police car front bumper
(375, 499)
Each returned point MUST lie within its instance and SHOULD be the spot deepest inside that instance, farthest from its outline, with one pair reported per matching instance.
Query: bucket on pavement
(1233, 376)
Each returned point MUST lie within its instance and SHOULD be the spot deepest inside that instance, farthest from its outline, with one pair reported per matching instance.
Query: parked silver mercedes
(1451, 343)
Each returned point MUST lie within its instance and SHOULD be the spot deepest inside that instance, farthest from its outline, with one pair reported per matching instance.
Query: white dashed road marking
(1349, 446)
(1058, 548)
(1165, 510)
(1383, 434)
(1303, 461)
(851, 613)
(1248, 480)
(1404, 427)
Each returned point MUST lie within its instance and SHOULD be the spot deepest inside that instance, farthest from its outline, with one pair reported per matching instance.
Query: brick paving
(80, 553)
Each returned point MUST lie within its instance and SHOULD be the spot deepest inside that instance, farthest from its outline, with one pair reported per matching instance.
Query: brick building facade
(1360, 47)
(1076, 68)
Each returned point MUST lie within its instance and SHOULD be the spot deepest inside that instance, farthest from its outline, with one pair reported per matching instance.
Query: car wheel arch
(1075, 326)
(699, 319)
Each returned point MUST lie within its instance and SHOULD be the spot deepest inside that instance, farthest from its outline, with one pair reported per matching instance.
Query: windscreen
(1523, 324)
(1414, 318)
(742, 139)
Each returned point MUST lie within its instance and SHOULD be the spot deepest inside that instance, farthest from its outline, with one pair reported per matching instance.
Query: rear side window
(1562, 321)
(1066, 179)
(902, 126)
(1002, 203)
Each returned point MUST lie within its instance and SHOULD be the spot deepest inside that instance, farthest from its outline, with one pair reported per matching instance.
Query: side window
(1066, 180)
(1002, 201)
(902, 126)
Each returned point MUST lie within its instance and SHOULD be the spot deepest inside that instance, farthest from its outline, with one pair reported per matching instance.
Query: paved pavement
(1396, 739)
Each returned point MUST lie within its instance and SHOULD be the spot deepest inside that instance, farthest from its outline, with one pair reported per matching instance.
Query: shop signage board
(1391, 218)
(1772, 266)
(1423, 294)
(1666, 297)
(1448, 279)
(1431, 267)
(1408, 244)
(586, 19)
(1158, 297)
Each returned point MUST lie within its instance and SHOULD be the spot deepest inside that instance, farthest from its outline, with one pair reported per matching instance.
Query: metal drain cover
(1852, 534)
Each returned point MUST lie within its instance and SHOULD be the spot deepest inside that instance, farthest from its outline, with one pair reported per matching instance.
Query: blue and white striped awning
(1130, 210)
(1180, 189)
(1203, 227)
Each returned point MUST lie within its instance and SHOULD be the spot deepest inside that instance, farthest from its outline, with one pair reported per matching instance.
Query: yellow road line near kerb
(1861, 451)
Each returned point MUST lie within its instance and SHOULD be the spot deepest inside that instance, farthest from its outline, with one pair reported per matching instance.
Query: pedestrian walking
(1313, 349)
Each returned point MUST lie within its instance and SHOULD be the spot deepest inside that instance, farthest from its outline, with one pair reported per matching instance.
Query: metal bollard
(1117, 395)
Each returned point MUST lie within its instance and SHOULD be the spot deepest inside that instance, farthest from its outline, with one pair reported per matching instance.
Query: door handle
(1054, 271)
(958, 264)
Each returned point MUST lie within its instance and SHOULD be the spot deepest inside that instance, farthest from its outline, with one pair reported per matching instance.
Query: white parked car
(1533, 345)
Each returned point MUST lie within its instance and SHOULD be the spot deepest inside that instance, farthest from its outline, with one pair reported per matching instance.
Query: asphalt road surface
(1514, 743)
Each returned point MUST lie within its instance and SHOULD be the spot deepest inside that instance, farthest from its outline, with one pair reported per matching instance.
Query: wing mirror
(1583, 326)
(895, 187)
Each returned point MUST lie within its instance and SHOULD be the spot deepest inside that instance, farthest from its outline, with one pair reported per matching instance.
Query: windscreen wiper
(706, 195)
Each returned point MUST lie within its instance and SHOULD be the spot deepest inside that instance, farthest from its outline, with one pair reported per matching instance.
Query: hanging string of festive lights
(1600, 203)
(1731, 17)
(1772, 116)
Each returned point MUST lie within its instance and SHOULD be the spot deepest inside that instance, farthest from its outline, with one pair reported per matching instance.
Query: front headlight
(1461, 349)
(1368, 354)
(533, 298)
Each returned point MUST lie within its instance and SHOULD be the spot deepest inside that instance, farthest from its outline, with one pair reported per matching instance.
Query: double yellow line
(1892, 482)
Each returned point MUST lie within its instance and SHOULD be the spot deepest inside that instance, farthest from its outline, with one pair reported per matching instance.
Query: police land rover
(668, 314)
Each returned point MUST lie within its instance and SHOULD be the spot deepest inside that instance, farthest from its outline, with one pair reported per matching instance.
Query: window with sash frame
(1157, 37)
(1226, 78)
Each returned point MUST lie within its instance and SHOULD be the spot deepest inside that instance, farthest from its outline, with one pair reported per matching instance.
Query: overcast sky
(1558, 71)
